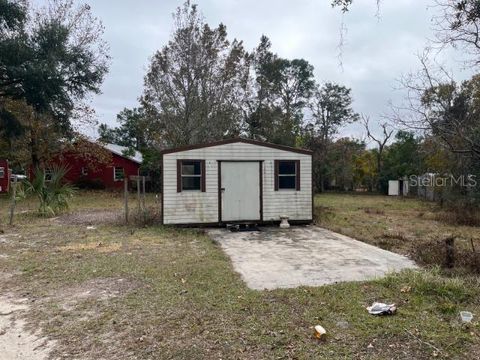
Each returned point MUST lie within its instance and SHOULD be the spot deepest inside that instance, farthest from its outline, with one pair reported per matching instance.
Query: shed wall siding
(188, 207)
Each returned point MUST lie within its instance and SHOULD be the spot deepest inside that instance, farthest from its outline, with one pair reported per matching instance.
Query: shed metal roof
(238, 140)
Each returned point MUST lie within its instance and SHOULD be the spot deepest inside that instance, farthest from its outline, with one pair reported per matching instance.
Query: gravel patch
(91, 217)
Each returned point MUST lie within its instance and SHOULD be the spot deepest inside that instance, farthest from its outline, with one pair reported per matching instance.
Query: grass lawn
(126, 292)
(404, 225)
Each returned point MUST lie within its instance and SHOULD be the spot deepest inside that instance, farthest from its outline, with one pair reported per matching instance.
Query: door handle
(222, 189)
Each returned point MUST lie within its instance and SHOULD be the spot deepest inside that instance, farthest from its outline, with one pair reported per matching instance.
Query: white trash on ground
(382, 309)
(466, 316)
(320, 332)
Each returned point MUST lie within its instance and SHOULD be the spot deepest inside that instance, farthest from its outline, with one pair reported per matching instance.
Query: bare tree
(381, 141)
(457, 24)
(436, 105)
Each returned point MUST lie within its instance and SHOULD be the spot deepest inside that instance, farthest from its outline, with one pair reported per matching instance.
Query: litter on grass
(466, 316)
(320, 332)
(382, 309)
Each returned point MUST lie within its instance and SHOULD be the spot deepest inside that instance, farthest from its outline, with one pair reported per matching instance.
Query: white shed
(236, 181)
(398, 187)
(393, 187)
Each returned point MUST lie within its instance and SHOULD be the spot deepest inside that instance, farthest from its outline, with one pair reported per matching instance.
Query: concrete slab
(311, 256)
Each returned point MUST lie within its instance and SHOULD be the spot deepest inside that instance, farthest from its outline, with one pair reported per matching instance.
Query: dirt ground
(16, 341)
(91, 217)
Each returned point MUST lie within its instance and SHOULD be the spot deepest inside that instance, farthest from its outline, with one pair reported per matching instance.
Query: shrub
(53, 193)
(149, 216)
(433, 252)
(460, 215)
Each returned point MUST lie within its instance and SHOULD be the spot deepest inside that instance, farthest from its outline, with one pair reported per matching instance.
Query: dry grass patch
(99, 246)
(374, 211)
(405, 225)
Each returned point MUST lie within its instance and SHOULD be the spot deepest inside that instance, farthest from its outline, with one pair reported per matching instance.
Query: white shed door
(240, 187)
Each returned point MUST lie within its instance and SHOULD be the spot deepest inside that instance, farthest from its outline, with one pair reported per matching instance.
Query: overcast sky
(375, 54)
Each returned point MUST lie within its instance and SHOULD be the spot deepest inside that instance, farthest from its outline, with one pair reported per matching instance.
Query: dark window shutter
(297, 171)
(179, 175)
(202, 181)
(276, 174)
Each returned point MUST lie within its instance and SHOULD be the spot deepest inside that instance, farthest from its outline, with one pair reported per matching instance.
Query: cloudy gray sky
(375, 54)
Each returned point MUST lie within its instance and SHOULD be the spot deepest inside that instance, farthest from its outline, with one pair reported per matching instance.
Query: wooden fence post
(450, 252)
(475, 257)
(125, 181)
(14, 200)
(143, 192)
(138, 195)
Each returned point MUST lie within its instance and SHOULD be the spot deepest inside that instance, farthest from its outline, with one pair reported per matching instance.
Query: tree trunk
(450, 252)
(34, 153)
(379, 169)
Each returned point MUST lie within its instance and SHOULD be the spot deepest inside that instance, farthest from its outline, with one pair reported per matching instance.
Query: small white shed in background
(398, 187)
(236, 181)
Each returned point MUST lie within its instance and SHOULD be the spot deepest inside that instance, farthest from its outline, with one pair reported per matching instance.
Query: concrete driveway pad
(311, 256)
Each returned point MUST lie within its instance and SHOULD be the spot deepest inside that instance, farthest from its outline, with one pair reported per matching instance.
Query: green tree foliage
(257, 108)
(342, 172)
(50, 59)
(331, 109)
(135, 130)
(365, 169)
(290, 84)
(452, 113)
(279, 94)
(402, 158)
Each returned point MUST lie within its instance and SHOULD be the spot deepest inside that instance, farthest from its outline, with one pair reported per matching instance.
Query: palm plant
(51, 190)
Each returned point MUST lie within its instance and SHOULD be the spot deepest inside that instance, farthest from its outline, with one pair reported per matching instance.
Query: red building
(4, 176)
(89, 170)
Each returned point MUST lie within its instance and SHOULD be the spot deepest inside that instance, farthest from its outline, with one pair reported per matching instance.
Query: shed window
(287, 175)
(2, 172)
(118, 173)
(191, 175)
